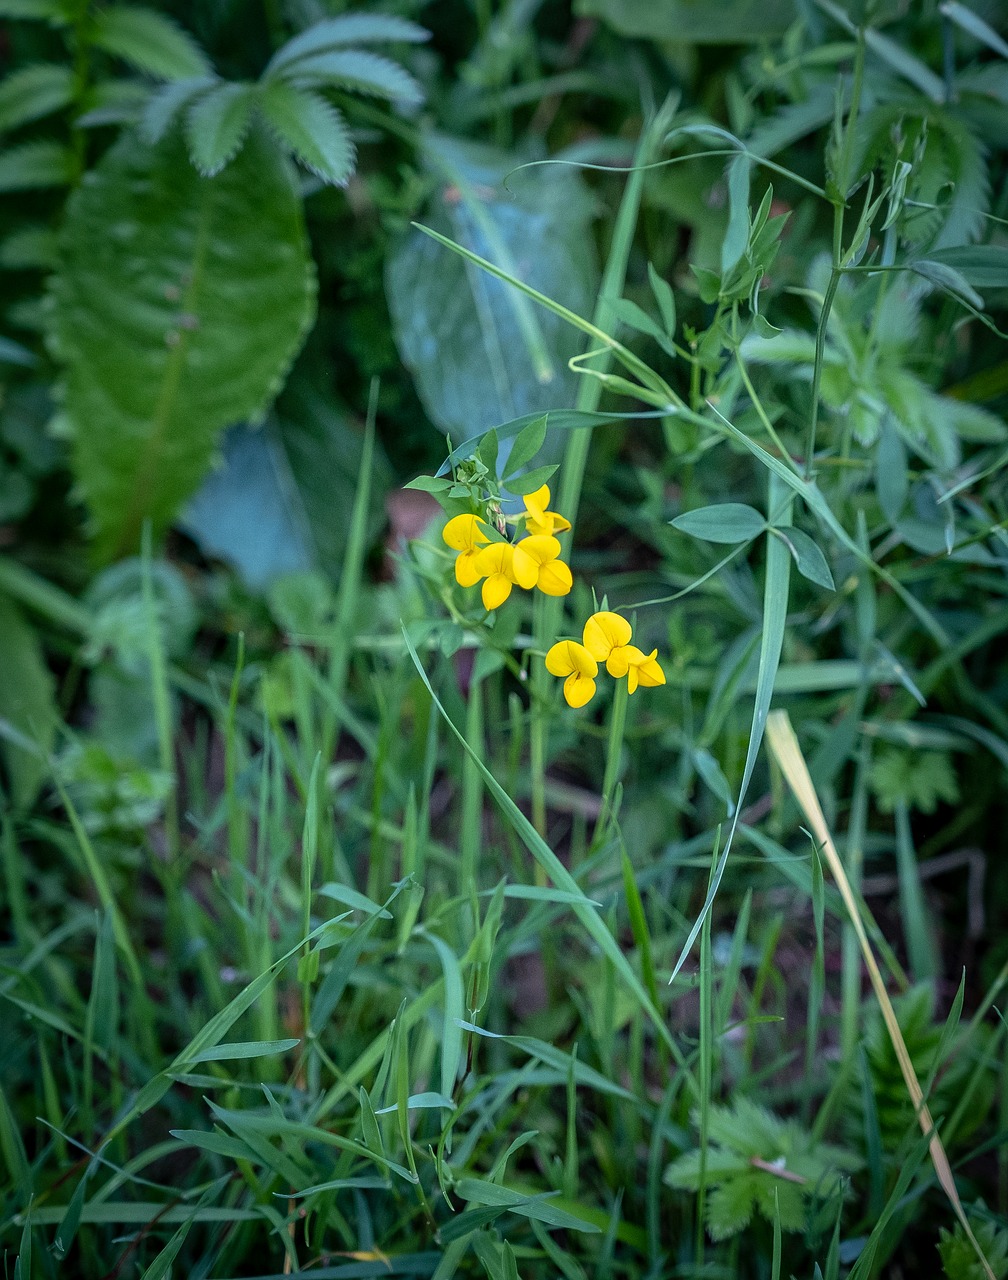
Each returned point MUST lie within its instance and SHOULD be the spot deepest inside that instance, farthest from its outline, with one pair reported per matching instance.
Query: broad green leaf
(216, 126)
(689, 22)
(526, 445)
(729, 522)
(312, 128)
(360, 71)
(149, 41)
(33, 166)
(808, 557)
(27, 706)
(30, 93)
(348, 29)
(479, 351)
(193, 329)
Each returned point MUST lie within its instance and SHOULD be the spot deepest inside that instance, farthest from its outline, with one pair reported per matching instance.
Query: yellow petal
(555, 578)
(567, 657)
(578, 689)
(651, 674)
(632, 674)
(496, 590)
(540, 547)
(604, 632)
(618, 661)
(467, 573)
(524, 568)
(536, 503)
(463, 533)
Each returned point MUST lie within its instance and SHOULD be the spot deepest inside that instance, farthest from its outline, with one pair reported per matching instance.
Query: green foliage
(918, 779)
(192, 332)
(958, 1257)
(757, 1162)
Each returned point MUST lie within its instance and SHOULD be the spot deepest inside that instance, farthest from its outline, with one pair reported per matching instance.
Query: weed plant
(606, 884)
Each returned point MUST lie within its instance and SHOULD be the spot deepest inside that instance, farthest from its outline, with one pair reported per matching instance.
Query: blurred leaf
(312, 128)
(217, 125)
(356, 70)
(191, 330)
(35, 165)
(51, 9)
(983, 266)
(347, 29)
(149, 41)
(480, 352)
(694, 22)
(27, 704)
(29, 93)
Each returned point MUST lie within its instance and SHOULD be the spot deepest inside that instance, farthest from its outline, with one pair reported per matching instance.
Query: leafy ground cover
(502, 595)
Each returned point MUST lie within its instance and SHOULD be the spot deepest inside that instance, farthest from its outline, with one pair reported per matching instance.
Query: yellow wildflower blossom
(606, 636)
(538, 519)
(569, 659)
(465, 535)
(495, 564)
(642, 668)
(535, 559)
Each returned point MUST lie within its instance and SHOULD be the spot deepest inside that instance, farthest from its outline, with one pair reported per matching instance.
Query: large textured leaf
(695, 21)
(480, 352)
(179, 304)
(27, 706)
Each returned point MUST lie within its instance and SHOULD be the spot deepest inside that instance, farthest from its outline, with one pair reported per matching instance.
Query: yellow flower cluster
(532, 562)
(606, 639)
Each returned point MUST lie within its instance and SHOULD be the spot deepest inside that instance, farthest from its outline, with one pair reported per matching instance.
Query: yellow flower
(570, 659)
(465, 535)
(642, 668)
(538, 519)
(495, 564)
(535, 560)
(606, 636)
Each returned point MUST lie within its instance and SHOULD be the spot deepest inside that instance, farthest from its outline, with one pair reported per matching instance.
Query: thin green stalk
(706, 1060)
(614, 754)
(472, 789)
(161, 696)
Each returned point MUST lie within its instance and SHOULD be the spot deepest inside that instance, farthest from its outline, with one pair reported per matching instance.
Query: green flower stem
(547, 619)
(614, 752)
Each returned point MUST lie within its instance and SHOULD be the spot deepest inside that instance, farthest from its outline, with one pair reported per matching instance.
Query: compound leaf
(311, 128)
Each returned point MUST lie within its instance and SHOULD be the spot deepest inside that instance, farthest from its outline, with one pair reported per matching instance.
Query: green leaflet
(168, 329)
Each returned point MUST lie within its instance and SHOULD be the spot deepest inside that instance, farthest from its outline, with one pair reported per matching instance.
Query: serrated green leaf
(312, 128)
(166, 103)
(33, 166)
(728, 522)
(356, 69)
(348, 29)
(30, 93)
(216, 126)
(27, 705)
(149, 41)
(191, 330)
(809, 559)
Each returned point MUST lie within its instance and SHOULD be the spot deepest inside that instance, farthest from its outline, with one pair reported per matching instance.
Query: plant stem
(614, 752)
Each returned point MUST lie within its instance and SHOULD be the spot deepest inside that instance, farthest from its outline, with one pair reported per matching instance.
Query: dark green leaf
(312, 128)
(478, 1191)
(30, 93)
(724, 522)
(35, 165)
(27, 705)
(665, 298)
(686, 21)
(191, 330)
